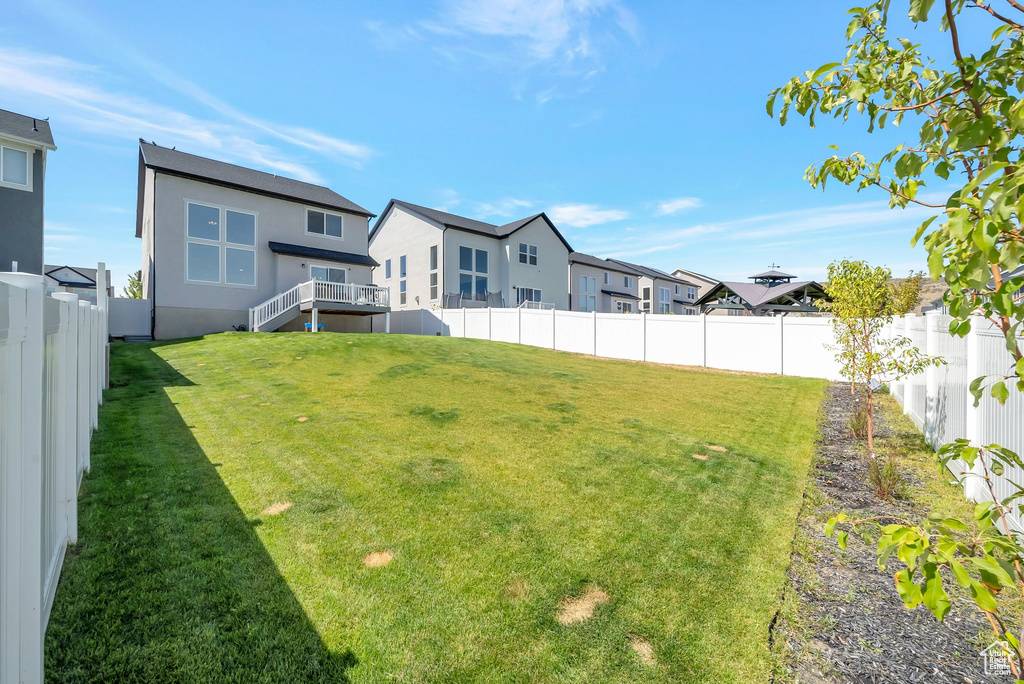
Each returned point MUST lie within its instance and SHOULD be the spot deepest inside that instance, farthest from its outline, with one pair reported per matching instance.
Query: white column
(314, 320)
(69, 391)
(643, 335)
(908, 386)
(594, 330)
(84, 395)
(103, 304)
(704, 339)
(782, 344)
(490, 334)
(26, 563)
(974, 486)
(387, 321)
(554, 322)
(932, 322)
(95, 384)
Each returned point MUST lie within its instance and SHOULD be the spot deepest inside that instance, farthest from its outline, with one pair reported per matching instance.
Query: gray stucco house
(24, 142)
(225, 247)
(662, 293)
(602, 285)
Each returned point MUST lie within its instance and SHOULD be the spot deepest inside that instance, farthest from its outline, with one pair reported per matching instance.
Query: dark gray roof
(621, 295)
(756, 294)
(772, 274)
(260, 182)
(88, 275)
(468, 225)
(26, 128)
(683, 302)
(598, 262)
(317, 253)
(653, 272)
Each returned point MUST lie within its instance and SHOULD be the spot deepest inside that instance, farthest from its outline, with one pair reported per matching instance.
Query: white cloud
(507, 207)
(584, 215)
(72, 93)
(674, 206)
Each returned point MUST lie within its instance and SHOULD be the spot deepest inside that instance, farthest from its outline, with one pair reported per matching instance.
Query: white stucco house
(225, 247)
(433, 259)
(602, 285)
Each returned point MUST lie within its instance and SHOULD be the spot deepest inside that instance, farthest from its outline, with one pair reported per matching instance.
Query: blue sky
(638, 127)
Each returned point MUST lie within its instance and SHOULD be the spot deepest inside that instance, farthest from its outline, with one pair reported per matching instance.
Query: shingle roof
(756, 294)
(598, 262)
(467, 224)
(318, 253)
(88, 275)
(260, 182)
(772, 274)
(653, 273)
(26, 128)
(620, 295)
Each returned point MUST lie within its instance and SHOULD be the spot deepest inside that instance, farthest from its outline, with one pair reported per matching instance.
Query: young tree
(971, 133)
(863, 300)
(133, 290)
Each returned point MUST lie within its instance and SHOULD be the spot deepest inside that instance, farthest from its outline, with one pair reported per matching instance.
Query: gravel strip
(860, 630)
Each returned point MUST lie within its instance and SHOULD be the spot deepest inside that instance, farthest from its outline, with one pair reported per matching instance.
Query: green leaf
(982, 596)
(857, 91)
(962, 578)
(908, 591)
(919, 9)
(1000, 392)
(935, 597)
(841, 539)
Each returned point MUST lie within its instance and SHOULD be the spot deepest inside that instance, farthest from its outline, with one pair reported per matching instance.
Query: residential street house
(772, 293)
(661, 293)
(602, 285)
(24, 142)
(225, 247)
(75, 279)
(433, 259)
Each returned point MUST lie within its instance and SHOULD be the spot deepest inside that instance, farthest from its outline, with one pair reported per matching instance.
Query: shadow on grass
(169, 580)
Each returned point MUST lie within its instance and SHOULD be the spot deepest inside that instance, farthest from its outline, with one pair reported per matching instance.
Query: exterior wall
(402, 232)
(552, 264)
(605, 303)
(183, 308)
(655, 284)
(148, 190)
(21, 219)
(332, 323)
(497, 267)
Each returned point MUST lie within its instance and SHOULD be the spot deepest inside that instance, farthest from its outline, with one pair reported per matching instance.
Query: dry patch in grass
(700, 457)
(244, 396)
(265, 403)
(201, 364)
(519, 590)
(302, 419)
(644, 650)
(581, 608)
(277, 509)
(378, 559)
(715, 447)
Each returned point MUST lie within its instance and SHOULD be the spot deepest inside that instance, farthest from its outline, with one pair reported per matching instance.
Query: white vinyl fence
(940, 403)
(783, 345)
(130, 317)
(53, 368)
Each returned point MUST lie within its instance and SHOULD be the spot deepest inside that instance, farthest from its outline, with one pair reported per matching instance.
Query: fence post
(84, 383)
(554, 320)
(782, 344)
(490, 335)
(27, 561)
(519, 324)
(593, 320)
(643, 336)
(931, 378)
(908, 386)
(94, 372)
(974, 488)
(69, 392)
(704, 339)
(102, 303)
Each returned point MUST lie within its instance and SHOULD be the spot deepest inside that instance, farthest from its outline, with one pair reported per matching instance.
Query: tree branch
(978, 112)
(1000, 17)
(922, 105)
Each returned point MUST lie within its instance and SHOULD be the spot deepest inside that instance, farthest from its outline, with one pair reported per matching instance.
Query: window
(628, 282)
(14, 167)
(473, 272)
(527, 254)
(588, 294)
(327, 274)
(387, 269)
(646, 302)
(607, 278)
(323, 223)
(528, 294)
(401, 292)
(401, 283)
(691, 294)
(625, 307)
(401, 266)
(664, 306)
(678, 289)
(433, 272)
(220, 245)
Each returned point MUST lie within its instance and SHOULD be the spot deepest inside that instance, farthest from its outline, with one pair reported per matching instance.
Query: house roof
(221, 173)
(317, 253)
(621, 295)
(756, 294)
(466, 224)
(86, 276)
(653, 273)
(598, 262)
(771, 274)
(694, 274)
(26, 129)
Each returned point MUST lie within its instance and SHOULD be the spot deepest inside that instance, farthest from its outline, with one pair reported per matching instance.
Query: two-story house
(602, 285)
(225, 247)
(662, 293)
(24, 142)
(430, 258)
(75, 279)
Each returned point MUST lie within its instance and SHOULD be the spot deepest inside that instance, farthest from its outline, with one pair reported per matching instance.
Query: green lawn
(503, 480)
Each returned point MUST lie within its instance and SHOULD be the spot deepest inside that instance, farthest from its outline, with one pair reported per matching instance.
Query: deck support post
(315, 320)
(387, 322)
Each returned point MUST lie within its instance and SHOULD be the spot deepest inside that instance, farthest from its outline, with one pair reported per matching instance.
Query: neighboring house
(703, 282)
(772, 292)
(76, 279)
(429, 258)
(661, 293)
(24, 142)
(602, 285)
(226, 247)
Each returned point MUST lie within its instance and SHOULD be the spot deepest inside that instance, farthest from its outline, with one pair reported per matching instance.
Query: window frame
(531, 252)
(326, 213)
(322, 264)
(664, 300)
(387, 269)
(691, 293)
(29, 164)
(222, 244)
(432, 278)
(627, 281)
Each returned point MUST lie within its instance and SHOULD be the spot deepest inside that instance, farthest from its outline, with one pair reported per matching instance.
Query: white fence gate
(130, 317)
(53, 368)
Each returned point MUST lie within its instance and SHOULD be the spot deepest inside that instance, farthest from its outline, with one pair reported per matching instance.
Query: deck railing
(318, 291)
(274, 307)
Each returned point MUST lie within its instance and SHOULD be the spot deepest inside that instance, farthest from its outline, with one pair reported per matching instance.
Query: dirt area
(842, 619)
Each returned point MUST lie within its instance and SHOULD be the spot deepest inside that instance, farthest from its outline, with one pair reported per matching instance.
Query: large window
(645, 303)
(527, 254)
(691, 294)
(528, 294)
(387, 269)
(625, 307)
(402, 284)
(220, 245)
(473, 272)
(328, 274)
(433, 272)
(664, 305)
(588, 294)
(15, 168)
(401, 292)
(324, 223)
